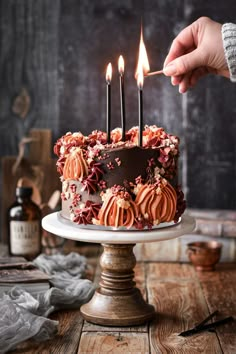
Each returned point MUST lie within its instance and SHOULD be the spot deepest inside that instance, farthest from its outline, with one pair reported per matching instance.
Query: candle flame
(143, 64)
(121, 65)
(109, 73)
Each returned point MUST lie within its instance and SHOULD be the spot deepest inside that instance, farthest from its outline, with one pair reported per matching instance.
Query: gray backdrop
(58, 51)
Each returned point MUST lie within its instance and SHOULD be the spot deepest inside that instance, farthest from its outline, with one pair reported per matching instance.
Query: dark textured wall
(58, 51)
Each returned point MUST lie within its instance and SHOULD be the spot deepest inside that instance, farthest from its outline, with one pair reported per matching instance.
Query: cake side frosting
(120, 184)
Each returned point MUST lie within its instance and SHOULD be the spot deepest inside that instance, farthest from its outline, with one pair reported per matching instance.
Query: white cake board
(56, 225)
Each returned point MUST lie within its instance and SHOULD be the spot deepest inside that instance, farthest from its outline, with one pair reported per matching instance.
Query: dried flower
(151, 162)
(118, 161)
(110, 166)
(102, 184)
(139, 180)
(76, 199)
(73, 188)
(63, 196)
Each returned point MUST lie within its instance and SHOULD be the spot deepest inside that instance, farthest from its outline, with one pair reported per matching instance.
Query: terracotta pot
(204, 255)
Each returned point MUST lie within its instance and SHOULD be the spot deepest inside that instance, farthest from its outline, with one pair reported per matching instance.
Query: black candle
(108, 121)
(121, 66)
(140, 107)
(142, 69)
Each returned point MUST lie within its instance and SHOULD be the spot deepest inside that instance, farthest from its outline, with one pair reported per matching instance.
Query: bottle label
(25, 237)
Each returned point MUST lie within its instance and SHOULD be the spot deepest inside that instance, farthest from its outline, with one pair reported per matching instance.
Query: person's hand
(195, 52)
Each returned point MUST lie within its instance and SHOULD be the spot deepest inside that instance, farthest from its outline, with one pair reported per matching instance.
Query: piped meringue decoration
(117, 210)
(75, 166)
(159, 202)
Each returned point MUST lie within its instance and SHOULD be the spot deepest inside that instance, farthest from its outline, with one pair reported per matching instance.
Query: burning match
(154, 73)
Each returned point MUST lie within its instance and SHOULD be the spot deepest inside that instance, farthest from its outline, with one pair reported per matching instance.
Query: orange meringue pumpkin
(157, 202)
(117, 210)
(76, 166)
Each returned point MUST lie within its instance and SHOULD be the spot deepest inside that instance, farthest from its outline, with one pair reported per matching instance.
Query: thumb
(184, 64)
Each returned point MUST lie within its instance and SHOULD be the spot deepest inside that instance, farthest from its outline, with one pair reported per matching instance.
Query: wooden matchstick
(154, 73)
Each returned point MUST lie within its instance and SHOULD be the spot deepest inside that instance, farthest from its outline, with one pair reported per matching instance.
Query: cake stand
(117, 302)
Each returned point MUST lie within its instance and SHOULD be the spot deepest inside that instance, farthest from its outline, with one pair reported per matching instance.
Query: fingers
(182, 44)
(185, 63)
(193, 54)
(189, 80)
(175, 80)
(185, 83)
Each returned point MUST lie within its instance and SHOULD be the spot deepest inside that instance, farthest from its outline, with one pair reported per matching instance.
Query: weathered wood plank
(169, 271)
(219, 289)
(176, 250)
(40, 150)
(228, 253)
(3, 250)
(28, 62)
(90, 38)
(89, 327)
(101, 343)
(165, 251)
(211, 119)
(180, 305)
(28, 59)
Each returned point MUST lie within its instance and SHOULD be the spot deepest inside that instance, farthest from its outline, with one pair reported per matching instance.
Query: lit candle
(121, 66)
(142, 69)
(140, 106)
(143, 63)
(108, 81)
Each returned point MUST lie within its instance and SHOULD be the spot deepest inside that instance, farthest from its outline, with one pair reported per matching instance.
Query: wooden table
(182, 298)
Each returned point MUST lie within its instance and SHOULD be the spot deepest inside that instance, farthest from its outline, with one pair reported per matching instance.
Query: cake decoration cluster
(102, 184)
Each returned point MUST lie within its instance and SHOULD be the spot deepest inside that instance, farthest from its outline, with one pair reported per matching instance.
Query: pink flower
(151, 162)
(73, 188)
(76, 199)
(117, 160)
(116, 135)
(102, 184)
(63, 196)
(139, 180)
(97, 136)
(110, 166)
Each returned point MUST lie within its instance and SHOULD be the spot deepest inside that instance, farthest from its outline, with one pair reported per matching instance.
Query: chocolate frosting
(133, 163)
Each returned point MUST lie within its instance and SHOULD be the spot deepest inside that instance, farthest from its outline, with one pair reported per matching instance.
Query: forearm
(229, 43)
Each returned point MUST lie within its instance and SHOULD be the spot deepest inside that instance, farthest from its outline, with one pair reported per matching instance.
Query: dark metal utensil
(201, 327)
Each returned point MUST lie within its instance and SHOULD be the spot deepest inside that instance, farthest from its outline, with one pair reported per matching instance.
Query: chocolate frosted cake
(120, 184)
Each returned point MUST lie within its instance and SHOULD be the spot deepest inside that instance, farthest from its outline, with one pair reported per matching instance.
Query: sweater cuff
(229, 43)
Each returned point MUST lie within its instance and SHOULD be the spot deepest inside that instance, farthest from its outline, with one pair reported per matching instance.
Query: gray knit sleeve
(229, 43)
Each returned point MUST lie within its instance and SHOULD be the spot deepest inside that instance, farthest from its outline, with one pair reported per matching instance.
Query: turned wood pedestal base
(117, 302)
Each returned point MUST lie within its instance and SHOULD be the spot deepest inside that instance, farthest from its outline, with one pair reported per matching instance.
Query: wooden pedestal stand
(117, 302)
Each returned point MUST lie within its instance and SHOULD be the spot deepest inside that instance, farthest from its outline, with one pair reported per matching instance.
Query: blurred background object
(204, 255)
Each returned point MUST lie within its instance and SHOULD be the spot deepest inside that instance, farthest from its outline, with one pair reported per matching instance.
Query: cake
(120, 184)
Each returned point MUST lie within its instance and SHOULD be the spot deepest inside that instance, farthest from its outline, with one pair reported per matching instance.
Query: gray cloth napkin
(23, 316)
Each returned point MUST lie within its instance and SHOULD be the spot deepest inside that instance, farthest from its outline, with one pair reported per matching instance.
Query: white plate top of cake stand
(55, 224)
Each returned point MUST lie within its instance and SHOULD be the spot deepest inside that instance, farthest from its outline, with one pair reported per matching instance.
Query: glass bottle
(24, 223)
